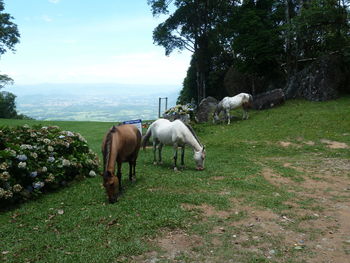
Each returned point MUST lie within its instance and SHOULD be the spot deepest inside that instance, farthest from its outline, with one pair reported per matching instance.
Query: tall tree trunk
(288, 39)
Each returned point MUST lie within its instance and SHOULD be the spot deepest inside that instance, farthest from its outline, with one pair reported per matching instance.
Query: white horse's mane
(193, 133)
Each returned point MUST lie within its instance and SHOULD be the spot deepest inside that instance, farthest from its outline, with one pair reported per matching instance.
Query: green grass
(91, 230)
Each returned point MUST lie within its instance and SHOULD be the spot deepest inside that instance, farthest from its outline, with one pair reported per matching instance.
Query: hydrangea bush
(39, 159)
(182, 112)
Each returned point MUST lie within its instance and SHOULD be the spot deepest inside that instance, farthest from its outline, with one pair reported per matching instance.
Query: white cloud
(152, 68)
(54, 1)
(46, 18)
(141, 68)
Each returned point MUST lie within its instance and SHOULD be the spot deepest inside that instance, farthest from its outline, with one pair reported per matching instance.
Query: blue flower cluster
(35, 160)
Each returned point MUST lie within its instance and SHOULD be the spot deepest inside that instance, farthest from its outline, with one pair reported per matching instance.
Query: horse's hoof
(175, 169)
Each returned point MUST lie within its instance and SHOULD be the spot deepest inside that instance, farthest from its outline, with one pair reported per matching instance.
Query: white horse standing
(229, 103)
(177, 134)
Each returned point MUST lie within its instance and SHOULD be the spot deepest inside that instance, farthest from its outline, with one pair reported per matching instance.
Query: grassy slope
(90, 230)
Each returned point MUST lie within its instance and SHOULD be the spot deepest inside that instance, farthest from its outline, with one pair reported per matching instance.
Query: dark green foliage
(9, 35)
(267, 41)
(7, 105)
(188, 93)
(5, 80)
(192, 26)
(322, 27)
(258, 44)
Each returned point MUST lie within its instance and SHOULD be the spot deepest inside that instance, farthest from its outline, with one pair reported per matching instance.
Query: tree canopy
(267, 40)
(9, 37)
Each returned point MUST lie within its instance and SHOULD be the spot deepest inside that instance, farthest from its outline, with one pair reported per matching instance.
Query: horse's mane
(107, 146)
(192, 131)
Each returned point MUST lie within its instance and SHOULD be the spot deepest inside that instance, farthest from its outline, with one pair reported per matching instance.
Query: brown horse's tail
(146, 137)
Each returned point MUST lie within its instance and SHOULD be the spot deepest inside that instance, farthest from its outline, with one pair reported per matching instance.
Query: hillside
(276, 188)
(91, 102)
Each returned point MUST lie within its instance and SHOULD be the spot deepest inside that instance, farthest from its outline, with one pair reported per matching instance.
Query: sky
(89, 41)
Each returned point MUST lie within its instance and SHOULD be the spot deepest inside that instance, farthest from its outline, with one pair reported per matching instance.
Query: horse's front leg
(175, 157)
(132, 172)
(228, 116)
(183, 156)
(154, 151)
(119, 175)
(160, 147)
(245, 115)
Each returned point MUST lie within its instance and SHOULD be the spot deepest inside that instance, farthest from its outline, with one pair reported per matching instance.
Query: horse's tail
(147, 136)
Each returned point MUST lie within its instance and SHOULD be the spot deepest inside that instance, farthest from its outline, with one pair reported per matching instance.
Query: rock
(320, 81)
(205, 109)
(268, 99)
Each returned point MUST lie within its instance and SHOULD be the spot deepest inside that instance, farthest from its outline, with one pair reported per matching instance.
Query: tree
(257, 40)
(264, 41)
(9, 37)
(187, 92)
(5, 80)
(321, 27)
(190, 27)
(7, 105)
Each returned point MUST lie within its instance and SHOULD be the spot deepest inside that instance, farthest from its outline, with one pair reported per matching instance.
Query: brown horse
(121, 144)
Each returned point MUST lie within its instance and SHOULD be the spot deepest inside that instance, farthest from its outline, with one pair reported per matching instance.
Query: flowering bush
(35, 160)
(182, 112)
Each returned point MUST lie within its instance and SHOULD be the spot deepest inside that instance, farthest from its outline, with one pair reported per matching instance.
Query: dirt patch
(171, 245)
(313, 165)
(207, 210)
(335, 144)
(310, 143)
(218, 178)
(326, 232)
(332, 244)
(314, 228)
(274, 178)
(285, 144)
(178, 242)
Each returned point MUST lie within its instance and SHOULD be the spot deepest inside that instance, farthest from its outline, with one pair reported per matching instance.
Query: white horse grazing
(177, 134)
(229, 103)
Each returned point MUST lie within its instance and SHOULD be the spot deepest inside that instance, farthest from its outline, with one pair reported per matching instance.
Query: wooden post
(159, 104)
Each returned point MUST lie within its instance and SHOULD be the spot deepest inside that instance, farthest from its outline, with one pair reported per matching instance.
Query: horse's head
(111, 184)
(215, 117)
(199, 158)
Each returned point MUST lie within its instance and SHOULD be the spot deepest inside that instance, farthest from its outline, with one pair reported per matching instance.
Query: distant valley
(92, 102)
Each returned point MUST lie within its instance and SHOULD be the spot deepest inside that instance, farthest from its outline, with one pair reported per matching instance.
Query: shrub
(36, 160)
(182, 112)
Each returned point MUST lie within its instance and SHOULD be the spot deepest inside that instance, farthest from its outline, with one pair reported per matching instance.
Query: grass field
(276, 188)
